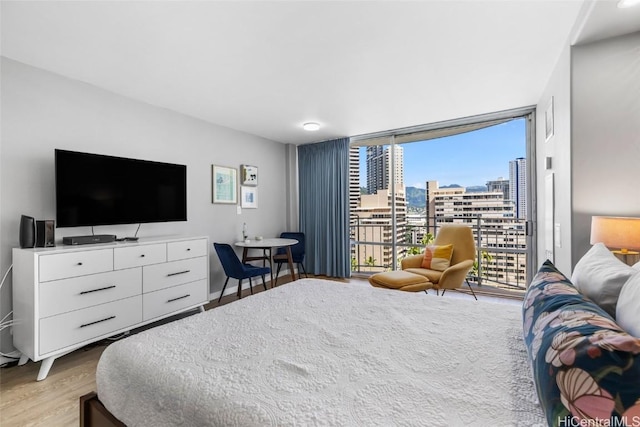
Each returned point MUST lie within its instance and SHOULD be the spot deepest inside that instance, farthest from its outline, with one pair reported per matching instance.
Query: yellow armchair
(464, 254)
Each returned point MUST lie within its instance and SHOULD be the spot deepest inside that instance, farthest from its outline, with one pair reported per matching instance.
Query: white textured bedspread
(317, 352)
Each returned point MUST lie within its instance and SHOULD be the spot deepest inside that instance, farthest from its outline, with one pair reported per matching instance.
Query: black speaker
(27, 232)
(45, 233)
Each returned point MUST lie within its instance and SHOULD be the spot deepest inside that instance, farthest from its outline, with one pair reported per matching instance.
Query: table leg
(271, 267)
(245, 250)
(290, 261)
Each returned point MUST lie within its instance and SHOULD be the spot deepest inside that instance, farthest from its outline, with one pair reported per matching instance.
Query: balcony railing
(501, 244)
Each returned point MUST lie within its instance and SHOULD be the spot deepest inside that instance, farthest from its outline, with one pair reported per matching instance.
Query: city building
(354, 179)
(395, 154)
(373, 219)
(379, 160)
(501, 185)
(494, 225)
(373, 228)
(376, 168)
(518, 186)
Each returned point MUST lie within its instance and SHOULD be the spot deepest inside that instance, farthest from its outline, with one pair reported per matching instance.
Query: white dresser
(69, 296)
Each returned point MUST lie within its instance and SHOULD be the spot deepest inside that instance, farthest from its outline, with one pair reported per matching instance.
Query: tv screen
(93, 189)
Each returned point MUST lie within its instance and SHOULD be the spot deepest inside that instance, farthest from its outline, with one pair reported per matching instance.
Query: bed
(319, 352)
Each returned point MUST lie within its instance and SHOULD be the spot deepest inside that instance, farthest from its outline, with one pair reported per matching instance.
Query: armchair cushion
(437, 257)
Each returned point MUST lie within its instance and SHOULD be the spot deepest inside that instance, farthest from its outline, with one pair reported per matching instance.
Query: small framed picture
(224, 182)
(248, 175)
(249, 197)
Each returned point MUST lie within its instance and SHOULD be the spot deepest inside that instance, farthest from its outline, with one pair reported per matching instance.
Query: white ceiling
(357, 67)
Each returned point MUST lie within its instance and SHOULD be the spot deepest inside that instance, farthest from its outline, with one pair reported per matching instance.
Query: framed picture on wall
(248, 175)
(249, 197)
(548, 121)
(224, 183)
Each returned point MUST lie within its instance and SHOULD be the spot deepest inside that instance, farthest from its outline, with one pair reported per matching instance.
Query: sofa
(585, 362)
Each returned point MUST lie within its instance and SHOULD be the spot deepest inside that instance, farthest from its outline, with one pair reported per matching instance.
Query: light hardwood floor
(54, 402)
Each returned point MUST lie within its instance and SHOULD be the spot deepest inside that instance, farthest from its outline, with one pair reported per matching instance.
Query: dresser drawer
(82, 325)
(161, 276)
(186, 249)
(73, 264)
(61, 296)
(137, 256)
(160, 303)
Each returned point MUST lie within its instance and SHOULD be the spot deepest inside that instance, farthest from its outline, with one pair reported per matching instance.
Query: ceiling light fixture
(311, 126)
(622, 4)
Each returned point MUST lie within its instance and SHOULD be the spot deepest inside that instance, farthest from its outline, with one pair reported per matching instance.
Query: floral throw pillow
(437, 257)
(585, 367)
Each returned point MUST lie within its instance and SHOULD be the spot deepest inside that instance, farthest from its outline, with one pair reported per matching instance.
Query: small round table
(268, 245)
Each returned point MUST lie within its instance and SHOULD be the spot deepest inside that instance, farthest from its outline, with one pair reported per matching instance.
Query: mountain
(416, 197)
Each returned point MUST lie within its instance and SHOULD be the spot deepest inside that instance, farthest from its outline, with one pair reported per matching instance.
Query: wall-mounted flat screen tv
(93, 189)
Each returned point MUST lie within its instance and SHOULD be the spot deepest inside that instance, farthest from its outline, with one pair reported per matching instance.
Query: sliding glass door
(478, 171)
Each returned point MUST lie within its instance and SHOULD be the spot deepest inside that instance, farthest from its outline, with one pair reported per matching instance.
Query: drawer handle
(179, 272)
(176, 299)
(96, 290)
(79, 263)
(142, 256)
(97, 321)
(188, 249)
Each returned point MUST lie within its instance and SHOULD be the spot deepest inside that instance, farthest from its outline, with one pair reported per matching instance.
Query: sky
(468, 159)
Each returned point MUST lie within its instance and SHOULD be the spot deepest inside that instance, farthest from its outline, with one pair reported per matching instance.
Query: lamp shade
(616, 232)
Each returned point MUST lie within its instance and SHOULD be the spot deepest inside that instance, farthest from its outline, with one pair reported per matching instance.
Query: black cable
(10, 364)
(138, 229)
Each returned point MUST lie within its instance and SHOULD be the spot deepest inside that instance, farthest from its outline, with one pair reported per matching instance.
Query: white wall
(42, 111)
(605, 88)
(596, 145)
(558, 147)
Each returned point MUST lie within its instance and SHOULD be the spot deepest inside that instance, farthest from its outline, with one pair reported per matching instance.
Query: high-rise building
(398, 173)
(501, 185)
(376, 167)
(433, 191)
(456, 205)
(518, 186)
(379, 170)
(375, 212)
(375, 224)
(489, 215)
(354, 178)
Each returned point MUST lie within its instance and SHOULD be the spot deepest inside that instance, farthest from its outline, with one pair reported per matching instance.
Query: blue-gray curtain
(323, 183)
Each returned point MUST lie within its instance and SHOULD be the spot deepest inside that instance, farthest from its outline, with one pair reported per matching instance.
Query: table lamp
(619, 233)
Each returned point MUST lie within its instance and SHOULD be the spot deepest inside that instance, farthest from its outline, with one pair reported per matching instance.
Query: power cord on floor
(4, 323)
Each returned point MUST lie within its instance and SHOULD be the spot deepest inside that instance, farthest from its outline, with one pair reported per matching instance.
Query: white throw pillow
(599, 275)
(628, 308)
(636, 266)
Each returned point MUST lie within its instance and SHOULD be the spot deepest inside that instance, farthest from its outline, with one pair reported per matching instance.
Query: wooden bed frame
(94, 414)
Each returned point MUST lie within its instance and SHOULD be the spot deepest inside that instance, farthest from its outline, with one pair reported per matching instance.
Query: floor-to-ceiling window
(477, 171)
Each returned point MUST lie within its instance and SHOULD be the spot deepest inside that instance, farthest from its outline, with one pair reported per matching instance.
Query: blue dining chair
(233, 267)
(297, 253)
